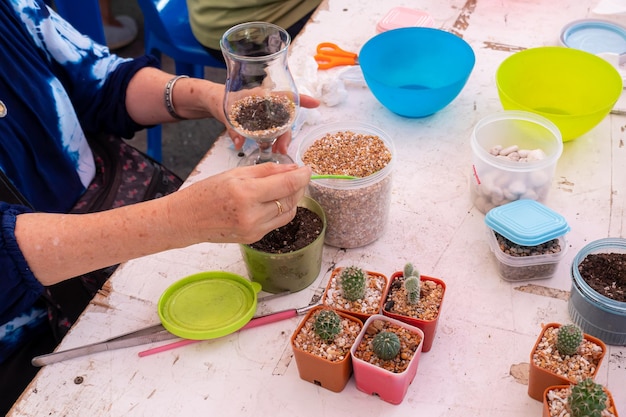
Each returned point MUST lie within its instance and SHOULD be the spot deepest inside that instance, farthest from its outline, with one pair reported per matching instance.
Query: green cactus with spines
(352, 280)
(386, 345)
(327, 325)
(568, 339)
(408, 269)
(587, 399)
(412, 283)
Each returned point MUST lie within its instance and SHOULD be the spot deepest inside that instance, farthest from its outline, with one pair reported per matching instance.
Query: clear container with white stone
(514, 157)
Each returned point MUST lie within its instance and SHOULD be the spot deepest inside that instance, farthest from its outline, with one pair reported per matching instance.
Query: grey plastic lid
(595, 36)
(526, 222)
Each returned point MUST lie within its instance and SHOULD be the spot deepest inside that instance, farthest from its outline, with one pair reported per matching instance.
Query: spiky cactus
(386, 345)
(352, 281)
(568, 339)
(412, 283)
(327, 325)
(587, 399)
(408, 269)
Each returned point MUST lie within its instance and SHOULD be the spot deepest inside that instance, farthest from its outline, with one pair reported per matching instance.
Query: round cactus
(352, 281)
(569, 337)
(587, 399)
(386, 345)
(327, 325)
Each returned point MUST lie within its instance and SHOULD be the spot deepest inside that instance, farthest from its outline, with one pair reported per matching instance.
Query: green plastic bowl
(572, 88)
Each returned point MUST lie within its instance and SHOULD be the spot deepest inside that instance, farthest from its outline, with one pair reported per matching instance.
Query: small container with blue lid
(527, 239)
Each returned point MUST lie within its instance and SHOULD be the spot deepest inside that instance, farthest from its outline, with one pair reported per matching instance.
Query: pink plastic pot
(374, 380)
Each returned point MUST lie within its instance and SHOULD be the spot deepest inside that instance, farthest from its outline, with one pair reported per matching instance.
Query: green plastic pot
(292, 271)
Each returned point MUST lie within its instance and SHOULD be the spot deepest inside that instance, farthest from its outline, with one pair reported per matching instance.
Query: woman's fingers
(244, 204)
(308, 101)
(279, 193)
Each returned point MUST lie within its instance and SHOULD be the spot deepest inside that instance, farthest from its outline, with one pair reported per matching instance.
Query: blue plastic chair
(84, 15)
(167, 31)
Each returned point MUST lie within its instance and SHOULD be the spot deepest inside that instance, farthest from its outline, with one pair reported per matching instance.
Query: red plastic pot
(429, 327)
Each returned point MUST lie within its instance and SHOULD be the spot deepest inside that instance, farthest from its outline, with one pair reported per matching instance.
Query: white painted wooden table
(487, 325)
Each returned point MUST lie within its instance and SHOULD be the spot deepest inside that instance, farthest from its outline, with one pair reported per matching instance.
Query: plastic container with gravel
(527, 239)
(357, 210)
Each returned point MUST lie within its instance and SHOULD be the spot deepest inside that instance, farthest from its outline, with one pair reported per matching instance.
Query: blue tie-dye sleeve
(95, 79)
(18, 287)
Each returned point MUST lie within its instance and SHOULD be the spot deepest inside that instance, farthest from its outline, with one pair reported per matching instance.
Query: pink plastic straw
(258, 321)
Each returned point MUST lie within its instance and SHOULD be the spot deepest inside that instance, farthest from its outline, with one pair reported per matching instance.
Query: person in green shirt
(209, 19)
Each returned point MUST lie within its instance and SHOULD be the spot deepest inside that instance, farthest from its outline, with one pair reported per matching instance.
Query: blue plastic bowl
(416, 71)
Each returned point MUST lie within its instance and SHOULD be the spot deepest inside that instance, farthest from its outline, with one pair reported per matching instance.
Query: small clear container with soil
(357, 210)
(527, 239)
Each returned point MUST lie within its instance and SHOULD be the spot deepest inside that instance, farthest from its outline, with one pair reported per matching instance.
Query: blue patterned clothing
(56, 87)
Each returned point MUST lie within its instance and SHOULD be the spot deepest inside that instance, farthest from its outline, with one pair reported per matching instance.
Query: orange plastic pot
(359, 314)
(539, 378)
(429, 327)
(546, 401)
(317, 370)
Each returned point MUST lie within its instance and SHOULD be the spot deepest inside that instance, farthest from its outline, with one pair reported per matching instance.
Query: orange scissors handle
(330, 55)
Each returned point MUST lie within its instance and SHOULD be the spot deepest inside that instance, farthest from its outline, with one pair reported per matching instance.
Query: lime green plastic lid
(208, 305)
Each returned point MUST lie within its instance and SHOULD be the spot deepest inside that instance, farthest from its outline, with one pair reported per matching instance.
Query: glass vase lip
(604, 245)
(249, 25)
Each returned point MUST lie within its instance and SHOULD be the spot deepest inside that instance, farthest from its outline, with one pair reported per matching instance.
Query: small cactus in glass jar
(587, 399)
(327, 325)
(352, 281)
(386, 345)
(568, 339)
(412, 283)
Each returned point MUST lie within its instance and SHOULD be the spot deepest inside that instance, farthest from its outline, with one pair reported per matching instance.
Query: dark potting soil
(261, 113)
(305, 227)
(606, 274)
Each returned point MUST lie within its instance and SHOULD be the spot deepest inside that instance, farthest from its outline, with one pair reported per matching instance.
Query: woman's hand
(240, 205)
(283, 141)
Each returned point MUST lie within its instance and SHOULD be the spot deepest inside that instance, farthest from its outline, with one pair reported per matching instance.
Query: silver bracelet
(169, 101)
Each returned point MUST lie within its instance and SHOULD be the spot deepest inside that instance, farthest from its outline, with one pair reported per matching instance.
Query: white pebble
(506, 151)
(536, 155)
(495, 150)
(514, 156)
